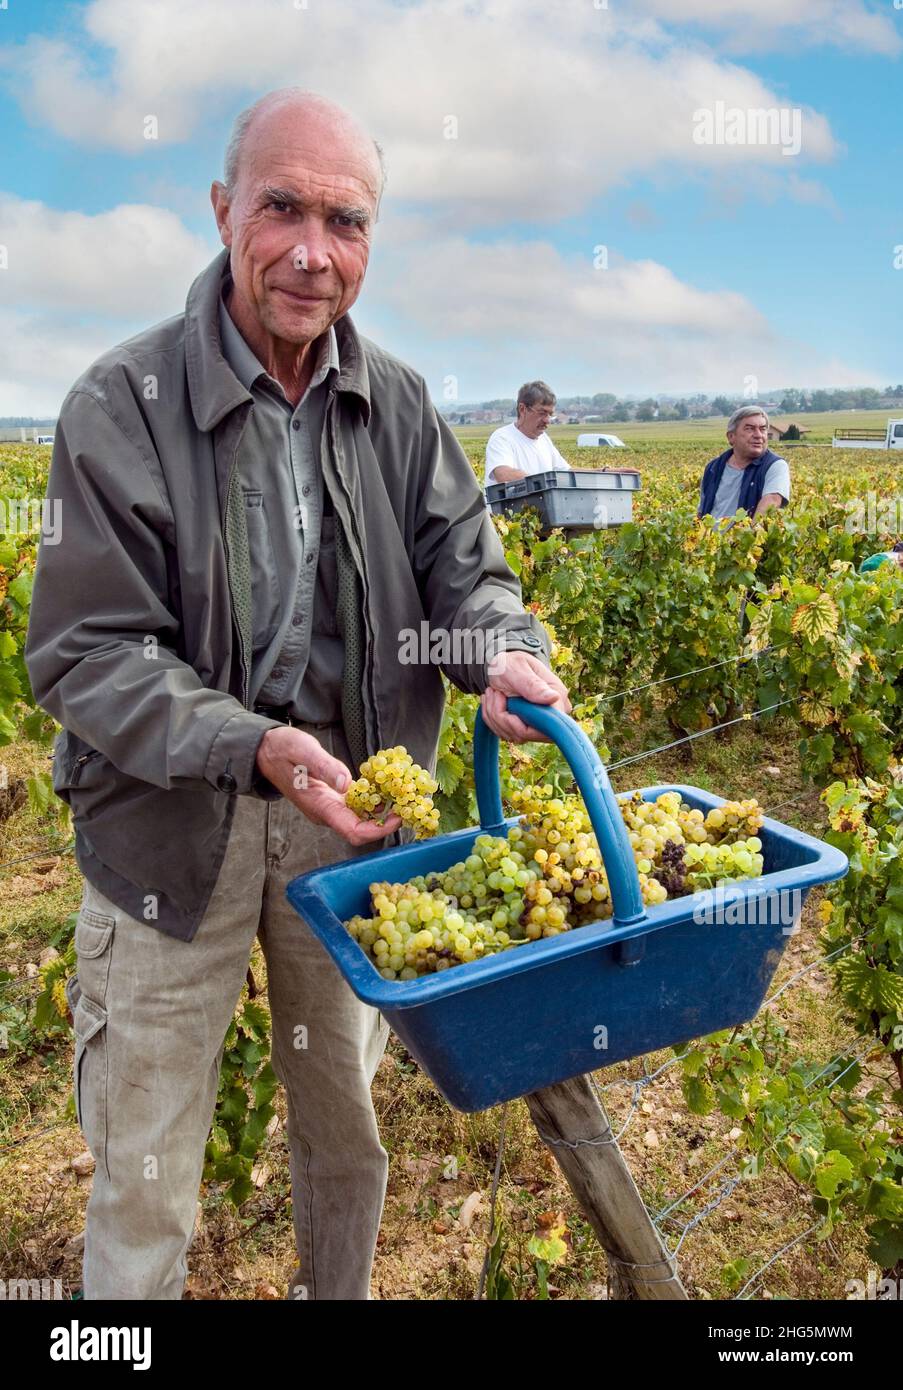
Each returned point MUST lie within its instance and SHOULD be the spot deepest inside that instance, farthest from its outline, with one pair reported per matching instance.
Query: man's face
(299, 221)
(534, 419)
(750, 439)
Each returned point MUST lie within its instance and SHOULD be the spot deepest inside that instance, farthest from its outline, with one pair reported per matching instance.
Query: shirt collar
(247, 366)
(212, 384)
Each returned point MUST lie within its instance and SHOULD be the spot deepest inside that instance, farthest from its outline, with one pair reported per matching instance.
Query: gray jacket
(139, 642)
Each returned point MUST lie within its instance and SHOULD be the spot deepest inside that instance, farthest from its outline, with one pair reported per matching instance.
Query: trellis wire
(732, 1183)
(637, 1086)
(40, 854)
(685, 675)
(666, 1211)
(728, 1185)
(700, 733)
(811, 966)
(784, 1248)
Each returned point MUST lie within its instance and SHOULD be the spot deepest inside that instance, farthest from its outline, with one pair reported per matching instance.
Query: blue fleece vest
(751, 488)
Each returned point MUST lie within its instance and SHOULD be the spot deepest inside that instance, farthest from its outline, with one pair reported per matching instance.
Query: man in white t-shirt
(523, 448)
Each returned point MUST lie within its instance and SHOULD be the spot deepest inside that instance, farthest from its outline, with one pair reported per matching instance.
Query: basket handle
(591, 778)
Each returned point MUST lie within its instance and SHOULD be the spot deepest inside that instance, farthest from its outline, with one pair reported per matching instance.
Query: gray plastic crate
(577, 499)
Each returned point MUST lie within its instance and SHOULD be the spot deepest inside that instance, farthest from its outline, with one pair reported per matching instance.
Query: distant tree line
(788, 401)
(9, 422)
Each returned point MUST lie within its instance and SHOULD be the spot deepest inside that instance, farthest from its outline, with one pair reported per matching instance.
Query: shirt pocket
(266, 595)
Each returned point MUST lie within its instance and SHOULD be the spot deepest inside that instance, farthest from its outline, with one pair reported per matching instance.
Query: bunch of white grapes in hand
(391, 781)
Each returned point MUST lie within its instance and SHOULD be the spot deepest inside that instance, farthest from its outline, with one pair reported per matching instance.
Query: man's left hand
(517, 673)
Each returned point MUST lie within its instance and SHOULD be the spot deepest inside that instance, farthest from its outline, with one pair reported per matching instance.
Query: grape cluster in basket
(546, 877)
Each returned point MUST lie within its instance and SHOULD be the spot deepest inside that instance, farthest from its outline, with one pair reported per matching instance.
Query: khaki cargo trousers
(151, 1014)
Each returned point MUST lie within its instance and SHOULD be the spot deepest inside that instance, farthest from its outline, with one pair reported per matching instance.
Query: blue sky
(575, 129)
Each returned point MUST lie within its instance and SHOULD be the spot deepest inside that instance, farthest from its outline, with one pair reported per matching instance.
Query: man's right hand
(316, 782)
(505, 474)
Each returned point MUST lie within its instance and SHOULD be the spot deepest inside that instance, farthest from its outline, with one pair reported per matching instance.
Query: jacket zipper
(80, 762)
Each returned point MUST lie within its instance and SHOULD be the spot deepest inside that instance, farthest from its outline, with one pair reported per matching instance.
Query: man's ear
(219, 198)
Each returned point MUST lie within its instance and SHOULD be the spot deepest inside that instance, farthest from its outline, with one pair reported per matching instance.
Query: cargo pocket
(90, 1076)
(94, 933)
(73, 993)
(93, 949)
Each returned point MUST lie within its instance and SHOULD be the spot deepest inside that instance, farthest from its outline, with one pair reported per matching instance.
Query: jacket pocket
(266, 596)
(71, 757)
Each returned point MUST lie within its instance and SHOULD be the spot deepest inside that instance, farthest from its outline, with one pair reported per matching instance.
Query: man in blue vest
(748, 475)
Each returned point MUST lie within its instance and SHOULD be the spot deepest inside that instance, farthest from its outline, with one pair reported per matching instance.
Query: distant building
(778, 432)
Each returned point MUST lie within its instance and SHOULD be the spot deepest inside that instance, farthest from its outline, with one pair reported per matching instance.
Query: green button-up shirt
(297, 651)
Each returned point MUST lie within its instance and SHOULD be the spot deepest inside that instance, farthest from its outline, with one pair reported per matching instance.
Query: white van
(600, 441)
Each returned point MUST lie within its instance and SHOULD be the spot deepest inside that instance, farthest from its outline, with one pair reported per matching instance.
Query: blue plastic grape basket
(644, 979)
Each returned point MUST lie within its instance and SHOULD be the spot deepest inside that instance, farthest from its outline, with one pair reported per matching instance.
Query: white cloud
(41, 356)
(76, 284)
(495, 315)
(129, 262)
(758, 23)
(554, 106)
(491, 314)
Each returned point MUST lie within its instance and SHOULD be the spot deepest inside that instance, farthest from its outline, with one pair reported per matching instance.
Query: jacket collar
(213, 387)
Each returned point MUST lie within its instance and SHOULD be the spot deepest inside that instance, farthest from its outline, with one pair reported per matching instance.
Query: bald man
(258, 503)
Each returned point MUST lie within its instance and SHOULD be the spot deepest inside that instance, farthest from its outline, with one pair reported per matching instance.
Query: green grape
(390, 781)
(546, 877)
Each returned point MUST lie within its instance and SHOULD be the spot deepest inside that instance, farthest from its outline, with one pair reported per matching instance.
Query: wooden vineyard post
(598, 1176)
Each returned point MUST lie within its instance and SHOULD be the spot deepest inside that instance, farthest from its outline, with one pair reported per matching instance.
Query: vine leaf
(816, 619)
(449, 771)
(816, 711)
(834, 1170)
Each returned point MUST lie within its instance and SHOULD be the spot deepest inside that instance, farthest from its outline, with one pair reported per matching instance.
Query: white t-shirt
(509, 447)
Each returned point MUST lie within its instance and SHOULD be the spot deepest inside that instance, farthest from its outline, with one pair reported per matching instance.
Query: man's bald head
(302, 186)
(298, 105)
